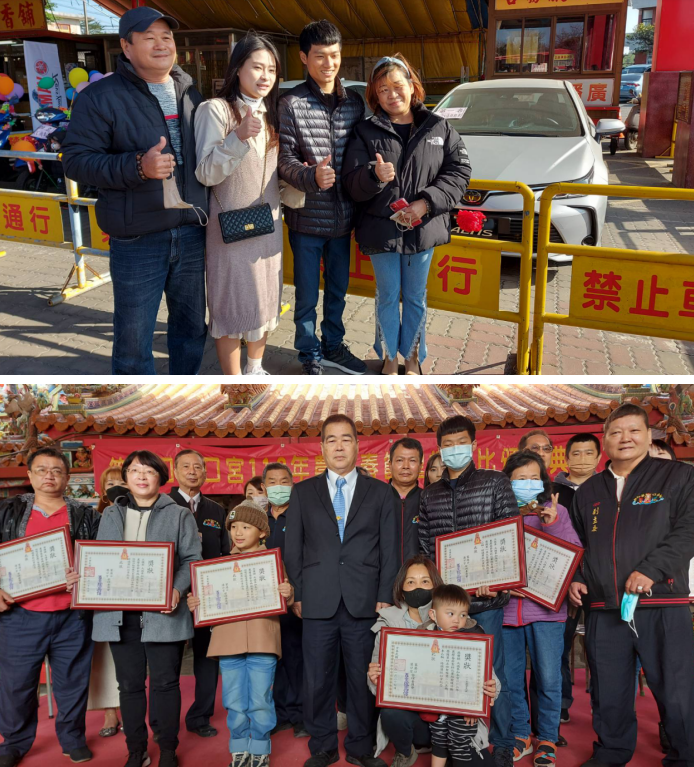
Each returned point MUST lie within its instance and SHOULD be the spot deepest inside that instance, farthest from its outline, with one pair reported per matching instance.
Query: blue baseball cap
(141, 19)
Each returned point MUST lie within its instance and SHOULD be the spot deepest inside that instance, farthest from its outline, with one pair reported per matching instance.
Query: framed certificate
(122, 575)
(436, 671)
(489, 555)
(238, 588)
(35, 566)
(550, 564)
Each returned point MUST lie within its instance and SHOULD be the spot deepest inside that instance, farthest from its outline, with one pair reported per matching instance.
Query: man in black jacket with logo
(44, 625)
(191, 475)
(464, 497)
(636, 522)
(316, 121)
(131, 136)
(406, 456)
(340, 555)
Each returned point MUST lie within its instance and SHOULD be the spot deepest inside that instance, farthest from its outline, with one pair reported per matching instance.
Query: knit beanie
(252, 514)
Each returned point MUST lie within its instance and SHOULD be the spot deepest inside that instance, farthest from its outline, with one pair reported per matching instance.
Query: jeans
(308, 251)
(500, 735)
(397, 273)
(247, 696)
(171, 262)
(26, 637)
(132, 656)
(545, 641)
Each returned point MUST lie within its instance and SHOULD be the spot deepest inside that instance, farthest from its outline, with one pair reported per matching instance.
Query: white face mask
(172, 198)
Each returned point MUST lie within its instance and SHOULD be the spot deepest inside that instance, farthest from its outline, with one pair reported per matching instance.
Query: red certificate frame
(387, 633)
(577, 551)
(518, 522)
(195, 567)
(166, 606)
(65, 530)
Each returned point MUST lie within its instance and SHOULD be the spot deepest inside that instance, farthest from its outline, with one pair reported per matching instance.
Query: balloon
(95, 77)
(18, 91)
(70, 93)
(81, 86)
(77, 76)
(23, 146)
(92, 71)
(46, 83)
(6, 85)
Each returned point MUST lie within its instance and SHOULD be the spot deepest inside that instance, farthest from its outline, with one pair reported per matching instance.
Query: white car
(537, 132)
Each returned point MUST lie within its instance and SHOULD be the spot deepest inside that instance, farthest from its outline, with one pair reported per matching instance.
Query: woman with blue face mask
(532, 626)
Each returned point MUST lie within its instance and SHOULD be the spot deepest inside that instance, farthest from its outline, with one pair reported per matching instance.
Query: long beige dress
(103, 687)
(244, 279)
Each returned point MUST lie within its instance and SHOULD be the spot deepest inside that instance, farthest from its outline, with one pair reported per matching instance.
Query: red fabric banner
(229, 468)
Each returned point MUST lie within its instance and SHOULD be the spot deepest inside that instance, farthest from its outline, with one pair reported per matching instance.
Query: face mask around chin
(456, 457)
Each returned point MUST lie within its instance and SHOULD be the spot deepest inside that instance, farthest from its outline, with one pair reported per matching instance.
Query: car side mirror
(610, 127)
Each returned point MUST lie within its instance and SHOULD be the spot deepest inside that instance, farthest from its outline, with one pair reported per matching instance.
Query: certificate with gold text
(35, 566)
(435, 671)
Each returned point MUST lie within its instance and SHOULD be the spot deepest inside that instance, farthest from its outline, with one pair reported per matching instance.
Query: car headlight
(587, 179)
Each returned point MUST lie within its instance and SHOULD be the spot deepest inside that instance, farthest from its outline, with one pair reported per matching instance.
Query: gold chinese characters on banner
(512, 5)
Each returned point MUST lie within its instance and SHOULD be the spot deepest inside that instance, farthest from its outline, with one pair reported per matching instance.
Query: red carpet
(289, 752)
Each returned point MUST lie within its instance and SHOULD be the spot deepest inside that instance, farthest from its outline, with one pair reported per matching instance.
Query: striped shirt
(165, 93)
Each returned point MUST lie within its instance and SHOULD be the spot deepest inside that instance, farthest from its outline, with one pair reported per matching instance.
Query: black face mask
(417, 597)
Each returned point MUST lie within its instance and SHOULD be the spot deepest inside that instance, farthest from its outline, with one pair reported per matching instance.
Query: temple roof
(299, 409)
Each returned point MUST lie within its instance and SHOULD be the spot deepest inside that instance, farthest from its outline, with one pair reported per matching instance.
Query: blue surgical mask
(456, 457)
(629, 603)
(527, 490)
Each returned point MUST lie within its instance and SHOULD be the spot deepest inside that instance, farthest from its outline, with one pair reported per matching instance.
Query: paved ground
(75, 337)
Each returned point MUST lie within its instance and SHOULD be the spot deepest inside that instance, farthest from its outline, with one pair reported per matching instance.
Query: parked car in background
(537, 132)
(355, 85)
(632, 81)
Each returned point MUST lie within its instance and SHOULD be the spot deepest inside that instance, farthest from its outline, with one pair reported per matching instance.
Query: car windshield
(635, 69)
(512, 112)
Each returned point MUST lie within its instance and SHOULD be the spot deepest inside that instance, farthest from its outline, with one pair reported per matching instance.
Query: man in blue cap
(131, 136)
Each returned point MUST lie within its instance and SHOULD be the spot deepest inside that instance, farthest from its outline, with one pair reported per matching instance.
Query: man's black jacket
(310, 130)
(111, 122)
(407, 519)
(651, 530)
(361, 569)
(15, 512)
(211, 518)
(432, 166)
(480, 496)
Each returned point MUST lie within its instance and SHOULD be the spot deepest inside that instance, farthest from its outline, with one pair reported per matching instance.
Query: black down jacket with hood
(480, 496)
(310, 130)
(111, 122)
(433, 166)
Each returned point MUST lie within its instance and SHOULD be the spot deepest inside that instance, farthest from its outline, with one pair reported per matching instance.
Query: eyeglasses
(149, 473)
(42, 471)
(541, 448)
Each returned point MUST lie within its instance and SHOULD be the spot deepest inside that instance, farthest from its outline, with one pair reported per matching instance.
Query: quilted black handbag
(244, 223)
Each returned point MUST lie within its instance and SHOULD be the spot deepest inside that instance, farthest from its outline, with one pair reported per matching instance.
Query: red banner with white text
(229, 468)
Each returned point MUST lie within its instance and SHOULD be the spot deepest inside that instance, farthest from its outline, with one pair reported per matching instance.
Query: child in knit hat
(248, 652)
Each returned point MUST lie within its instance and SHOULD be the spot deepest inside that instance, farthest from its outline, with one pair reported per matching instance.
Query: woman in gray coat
(142, 639)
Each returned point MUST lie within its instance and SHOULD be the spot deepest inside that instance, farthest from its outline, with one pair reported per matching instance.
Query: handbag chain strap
(262, 183)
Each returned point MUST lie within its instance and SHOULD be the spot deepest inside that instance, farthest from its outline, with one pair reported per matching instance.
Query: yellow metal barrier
(640, 292)
(465, 275)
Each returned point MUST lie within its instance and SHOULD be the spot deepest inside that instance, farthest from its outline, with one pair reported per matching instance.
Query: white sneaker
(240, 759)
(259, 371)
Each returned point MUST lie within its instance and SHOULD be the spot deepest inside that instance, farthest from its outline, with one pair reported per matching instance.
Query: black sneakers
(138, 759)
(9, 760)
(168, 758)
(343, 359)
(78, 755)
(323, 759)
(312, 368)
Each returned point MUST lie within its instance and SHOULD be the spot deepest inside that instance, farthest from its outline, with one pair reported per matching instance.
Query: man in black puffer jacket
(635, 520)
(41, 626)
(128, 133)
(464, 497)
(316, 122)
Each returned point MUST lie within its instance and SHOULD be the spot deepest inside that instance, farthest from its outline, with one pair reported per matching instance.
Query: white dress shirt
(621, 481)
(196, 499)
(347, 490)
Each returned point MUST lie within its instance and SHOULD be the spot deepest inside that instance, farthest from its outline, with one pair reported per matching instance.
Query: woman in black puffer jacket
(402, 151)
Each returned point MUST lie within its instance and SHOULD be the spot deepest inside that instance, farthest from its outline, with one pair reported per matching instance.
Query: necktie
(191, 505)
(339, 506)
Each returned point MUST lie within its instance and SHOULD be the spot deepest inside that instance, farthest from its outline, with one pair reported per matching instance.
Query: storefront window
(536, 37)
(508, 45)
(568, 45)
(599, 43)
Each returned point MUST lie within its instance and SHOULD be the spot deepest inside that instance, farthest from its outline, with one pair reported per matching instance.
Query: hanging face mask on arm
(456, 457)
(172, 198)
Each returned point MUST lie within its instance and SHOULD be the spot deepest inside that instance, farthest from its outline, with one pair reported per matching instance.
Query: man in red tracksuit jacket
(636, 523)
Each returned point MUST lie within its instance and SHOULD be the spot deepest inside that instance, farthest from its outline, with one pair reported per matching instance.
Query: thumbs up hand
(249, 127)
(158, 165)
(384, 170)
(325, 175)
